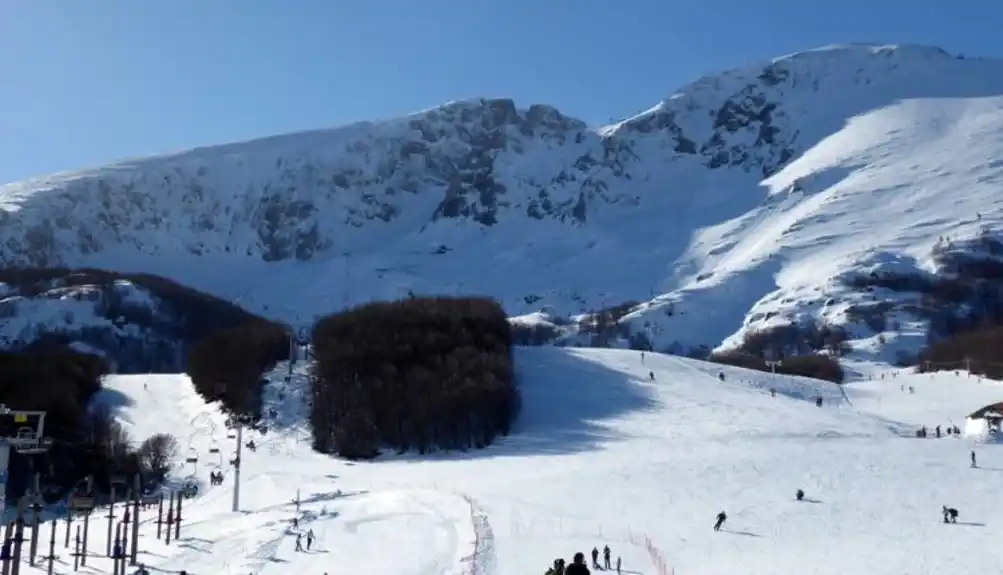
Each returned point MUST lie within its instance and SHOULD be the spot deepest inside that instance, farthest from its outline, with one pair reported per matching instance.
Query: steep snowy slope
(743, 199)
(604, 455)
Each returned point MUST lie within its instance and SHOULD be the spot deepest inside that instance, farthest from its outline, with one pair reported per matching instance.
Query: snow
(602, 455)
(351, 214)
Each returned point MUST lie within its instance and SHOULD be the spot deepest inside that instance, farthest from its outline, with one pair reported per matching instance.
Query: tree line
(423, 373)
(229, 365)
(980, 349)
(85, 442)
(813, 365)
(182, 317)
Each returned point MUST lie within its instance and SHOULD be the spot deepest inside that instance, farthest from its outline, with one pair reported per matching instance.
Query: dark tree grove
(422, 373)
(228, 366)
(62, 383)
(981, 350)
(816, 366)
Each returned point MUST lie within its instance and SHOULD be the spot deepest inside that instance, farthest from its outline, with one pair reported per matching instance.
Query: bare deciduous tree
(157, 453)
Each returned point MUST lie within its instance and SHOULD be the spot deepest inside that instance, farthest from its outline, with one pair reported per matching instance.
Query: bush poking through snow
(423, 374)
(228, 365)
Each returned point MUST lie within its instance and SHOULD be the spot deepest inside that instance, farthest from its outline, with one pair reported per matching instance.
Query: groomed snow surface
(602, 454)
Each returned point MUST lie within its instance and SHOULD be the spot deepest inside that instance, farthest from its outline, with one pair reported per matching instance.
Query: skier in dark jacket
(721, 518)
(577, 566)
(950, 514)
(595, 558)
(605, 556)
(800, 495)
(973, 459)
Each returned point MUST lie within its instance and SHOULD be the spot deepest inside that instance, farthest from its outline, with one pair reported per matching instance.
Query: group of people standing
(578, 566)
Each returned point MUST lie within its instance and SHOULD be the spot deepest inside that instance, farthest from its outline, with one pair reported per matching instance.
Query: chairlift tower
(23, 430)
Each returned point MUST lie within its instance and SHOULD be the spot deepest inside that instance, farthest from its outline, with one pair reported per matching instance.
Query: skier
(773, 392)
(651, 375)
(800, 495)
(618, 563)
(937, 430)
(721, 518)
(577, 566)
(950, 514)
(296, 522)
(299, 541)
(595, 558)
(309, 539)
(973, 459)
(605, 556)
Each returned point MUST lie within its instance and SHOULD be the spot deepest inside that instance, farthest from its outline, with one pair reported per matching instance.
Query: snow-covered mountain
(745, 199)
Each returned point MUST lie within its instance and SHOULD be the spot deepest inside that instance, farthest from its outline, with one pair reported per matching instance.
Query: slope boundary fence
(655, 554)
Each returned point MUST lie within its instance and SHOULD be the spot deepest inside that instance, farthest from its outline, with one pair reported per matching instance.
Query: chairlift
(213, 447)
(190, 488)
(81, 498)
(37, 446)
(193, 456)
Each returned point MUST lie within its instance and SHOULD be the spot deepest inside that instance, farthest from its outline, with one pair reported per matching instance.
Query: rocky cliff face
(480, 160)
(449, 176)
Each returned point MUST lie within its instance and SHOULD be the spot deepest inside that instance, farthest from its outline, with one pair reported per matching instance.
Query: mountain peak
(732, 176)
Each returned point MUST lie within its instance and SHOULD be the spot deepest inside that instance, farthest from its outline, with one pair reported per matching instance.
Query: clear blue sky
(84, 82)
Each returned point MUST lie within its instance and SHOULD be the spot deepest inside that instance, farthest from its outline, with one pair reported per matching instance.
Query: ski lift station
(985, 422)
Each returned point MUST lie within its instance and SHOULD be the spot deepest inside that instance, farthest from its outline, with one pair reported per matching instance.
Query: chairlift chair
(81, 497)
(193, 456)
(213, 447)
(37, 447)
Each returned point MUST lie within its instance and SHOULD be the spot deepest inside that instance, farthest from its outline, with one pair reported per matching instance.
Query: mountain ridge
(480, 195)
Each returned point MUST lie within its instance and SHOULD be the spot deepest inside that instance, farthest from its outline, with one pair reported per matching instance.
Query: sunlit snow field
(601, 455)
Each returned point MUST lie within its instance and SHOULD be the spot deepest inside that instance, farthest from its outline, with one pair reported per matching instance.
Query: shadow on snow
(566, 397)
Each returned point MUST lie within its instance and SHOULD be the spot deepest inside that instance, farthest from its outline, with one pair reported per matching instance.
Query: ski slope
(603, 455)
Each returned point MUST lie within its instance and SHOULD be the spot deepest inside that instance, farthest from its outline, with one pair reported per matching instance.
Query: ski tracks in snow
(483, 561)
